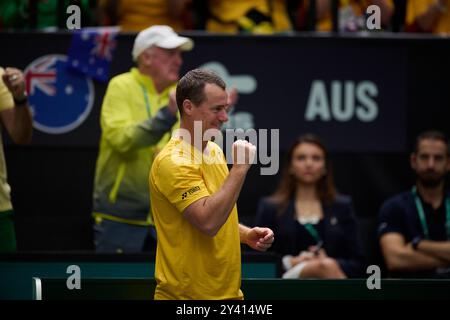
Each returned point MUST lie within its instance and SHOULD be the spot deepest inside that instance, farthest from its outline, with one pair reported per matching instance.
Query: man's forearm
(155, 128)
(407, 259)
(23, 125)
(144, 134)
(218, 206)
(438, 249)
(243, 231)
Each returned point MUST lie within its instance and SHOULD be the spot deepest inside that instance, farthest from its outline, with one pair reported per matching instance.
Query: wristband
(21, 102)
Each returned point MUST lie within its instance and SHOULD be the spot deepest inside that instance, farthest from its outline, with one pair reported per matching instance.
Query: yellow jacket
(135, 125)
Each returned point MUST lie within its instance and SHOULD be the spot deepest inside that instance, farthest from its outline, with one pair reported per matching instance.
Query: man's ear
(187, 107)
(146, 58)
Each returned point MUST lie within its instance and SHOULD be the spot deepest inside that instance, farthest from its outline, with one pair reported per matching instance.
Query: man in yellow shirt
(15, 116)
(193, 197)
(138, 112)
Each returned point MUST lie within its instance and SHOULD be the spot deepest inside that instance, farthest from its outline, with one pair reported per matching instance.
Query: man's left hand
(260, 239)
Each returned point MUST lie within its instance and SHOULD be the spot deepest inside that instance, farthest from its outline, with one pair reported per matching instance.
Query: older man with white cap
(138, 113)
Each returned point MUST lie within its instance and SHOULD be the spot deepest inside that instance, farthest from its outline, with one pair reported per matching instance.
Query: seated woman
(315, 229)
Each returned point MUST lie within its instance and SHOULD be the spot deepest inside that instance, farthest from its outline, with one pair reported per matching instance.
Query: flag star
(75, 63)
(100, 71)
(84, 36)
(68, 89)
(91, 60)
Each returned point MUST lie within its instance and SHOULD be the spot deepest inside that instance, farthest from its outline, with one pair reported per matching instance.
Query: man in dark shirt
(414, 226)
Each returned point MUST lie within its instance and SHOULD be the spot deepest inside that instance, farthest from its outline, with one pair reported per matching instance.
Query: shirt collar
(144, 80)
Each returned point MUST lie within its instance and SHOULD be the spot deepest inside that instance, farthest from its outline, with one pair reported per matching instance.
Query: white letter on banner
(317, 105)
(343, 113)
(368, 111)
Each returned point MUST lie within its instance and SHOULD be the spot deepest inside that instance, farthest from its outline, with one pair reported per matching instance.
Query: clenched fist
(243, 153)
(15, 82)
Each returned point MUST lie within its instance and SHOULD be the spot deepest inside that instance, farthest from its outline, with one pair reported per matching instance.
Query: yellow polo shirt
(190, 264)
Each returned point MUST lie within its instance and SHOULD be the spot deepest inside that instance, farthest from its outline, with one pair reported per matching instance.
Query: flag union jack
(92, 50)
(42, 76)
(104, 45)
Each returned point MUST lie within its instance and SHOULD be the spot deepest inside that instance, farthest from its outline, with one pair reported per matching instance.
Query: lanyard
(147, 102)
(422, 218)
(313, 232)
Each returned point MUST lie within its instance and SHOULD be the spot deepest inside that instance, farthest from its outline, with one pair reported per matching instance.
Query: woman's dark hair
(288, 185)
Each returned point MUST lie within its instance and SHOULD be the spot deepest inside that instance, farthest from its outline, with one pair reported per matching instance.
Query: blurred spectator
(136, 15)
(138, 114)
(248, 16)
(48, 15)
(315, 229)
(351, 14)
(15, 116)
(414, 227)
(428, 16)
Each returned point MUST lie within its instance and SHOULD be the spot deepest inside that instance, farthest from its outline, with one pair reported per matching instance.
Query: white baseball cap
(162, 37)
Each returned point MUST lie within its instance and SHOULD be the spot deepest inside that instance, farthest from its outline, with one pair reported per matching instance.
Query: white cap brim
(183, 43)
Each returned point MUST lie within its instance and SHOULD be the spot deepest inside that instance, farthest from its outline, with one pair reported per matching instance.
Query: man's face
(431, 162)
(165, 64)
(213, 110)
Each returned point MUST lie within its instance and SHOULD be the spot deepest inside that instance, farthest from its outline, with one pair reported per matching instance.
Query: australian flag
(92, 50)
